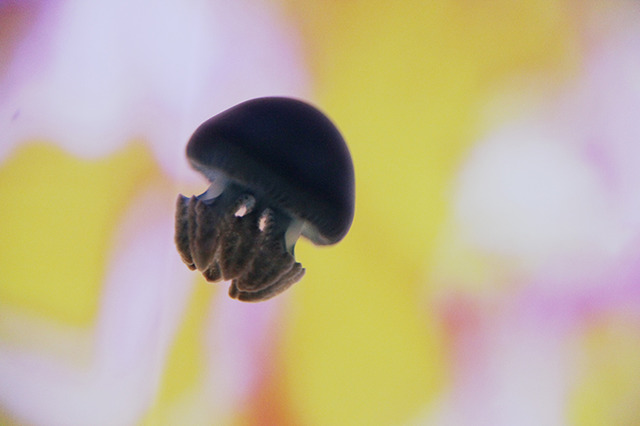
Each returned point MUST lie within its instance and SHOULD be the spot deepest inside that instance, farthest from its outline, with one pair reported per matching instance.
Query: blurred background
(492, 273)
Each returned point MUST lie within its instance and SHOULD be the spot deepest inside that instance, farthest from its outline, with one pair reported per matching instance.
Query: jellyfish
(279, 169)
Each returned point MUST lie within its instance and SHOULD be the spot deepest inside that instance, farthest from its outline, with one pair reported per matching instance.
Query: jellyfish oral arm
(226, 233)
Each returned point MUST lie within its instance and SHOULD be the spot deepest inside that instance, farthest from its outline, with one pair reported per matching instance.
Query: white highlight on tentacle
(246, 206)
(262, 223)
(265, 218)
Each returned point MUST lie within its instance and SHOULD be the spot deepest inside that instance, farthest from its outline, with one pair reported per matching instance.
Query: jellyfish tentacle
(272, 259)
(192, 227)
(238, 245)
(206, 234)
(182, 231)
(213, 273)
(206, 224)
(269, 264)
(294, 275)
(233, 289)
(233, 237)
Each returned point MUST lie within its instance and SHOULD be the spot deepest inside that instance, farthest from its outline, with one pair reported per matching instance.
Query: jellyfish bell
(279, 169)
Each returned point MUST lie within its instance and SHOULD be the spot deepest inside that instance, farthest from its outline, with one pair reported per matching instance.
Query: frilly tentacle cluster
(233, 237)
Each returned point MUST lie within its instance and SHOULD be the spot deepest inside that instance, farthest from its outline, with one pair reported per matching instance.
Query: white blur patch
(527, 193)
(96, 75)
